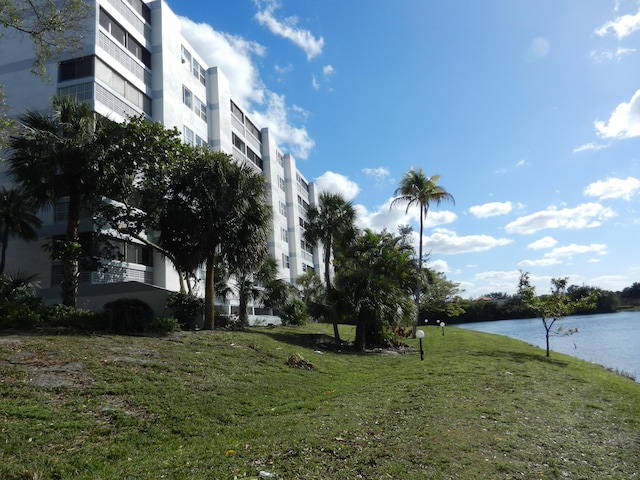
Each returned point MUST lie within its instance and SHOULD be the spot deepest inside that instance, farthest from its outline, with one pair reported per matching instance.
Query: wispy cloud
(587, 215)
(610, 55)
(288, 28)
(379, 174)
(542, 243)
(589, 146)
(614, 188)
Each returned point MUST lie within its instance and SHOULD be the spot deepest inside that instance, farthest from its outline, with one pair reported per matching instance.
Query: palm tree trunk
(4, 239)
(333, 315)
(71, 254)
(209, 295)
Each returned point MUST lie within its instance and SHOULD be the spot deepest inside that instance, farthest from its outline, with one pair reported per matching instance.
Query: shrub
(186, 308)
(19, 307)
(294, 312)
(72, 317)
(164, 325)
(128, 315)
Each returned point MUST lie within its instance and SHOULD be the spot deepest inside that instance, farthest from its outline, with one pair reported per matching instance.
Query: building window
(188, 136)
(285, 261)
(200, 108)
(283, 209)
(237, 142)
(280, 158)
(200, 142)
(198, 71)
(254, 158)
(187, 97)
(253, 130)
(77, 68)
(284, 235)
(124, 38)
(186, 57)
(236, 111)
(281, 183)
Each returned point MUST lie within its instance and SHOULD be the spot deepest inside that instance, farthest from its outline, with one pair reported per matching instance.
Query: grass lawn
(225, 405)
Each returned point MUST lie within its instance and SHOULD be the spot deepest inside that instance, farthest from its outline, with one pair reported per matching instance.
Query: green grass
(212, 405)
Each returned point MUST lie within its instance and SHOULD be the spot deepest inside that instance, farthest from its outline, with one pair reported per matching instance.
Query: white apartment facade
(136, 61)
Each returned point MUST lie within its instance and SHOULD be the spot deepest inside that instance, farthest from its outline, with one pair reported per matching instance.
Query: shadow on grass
(521, 357)
(316, 341)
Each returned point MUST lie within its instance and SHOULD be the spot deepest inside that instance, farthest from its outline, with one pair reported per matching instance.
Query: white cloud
(288, 29)
(586, 215)
(234, 56)
(438, 266)
(314, 83)
(614, 188)
(445, 241)
(589, 146)
(624, 122)
(328, 70)
(621, 26)
(491, 209)
(544, 242)
(337, 183)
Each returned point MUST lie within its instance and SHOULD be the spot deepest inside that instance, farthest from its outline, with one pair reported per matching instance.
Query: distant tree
(17, 217)
(631, 295)
(555, 306)
(313, 293)
(441, 300)
(416, 189)
(331, 222)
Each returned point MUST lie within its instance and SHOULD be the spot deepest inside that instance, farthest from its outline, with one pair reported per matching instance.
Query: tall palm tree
(17, 217)
(416, 189)
(331, 222)
(59, 155)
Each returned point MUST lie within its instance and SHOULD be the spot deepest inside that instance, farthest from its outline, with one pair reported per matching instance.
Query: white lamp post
(442, 325)
(420, 336)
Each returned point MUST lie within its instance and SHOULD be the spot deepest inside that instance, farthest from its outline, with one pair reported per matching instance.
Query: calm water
(612, 340)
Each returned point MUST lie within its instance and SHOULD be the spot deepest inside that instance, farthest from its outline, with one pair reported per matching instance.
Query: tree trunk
(243, 316)
(209, 295)
(5, 241)
(71, 254)
(333, 315)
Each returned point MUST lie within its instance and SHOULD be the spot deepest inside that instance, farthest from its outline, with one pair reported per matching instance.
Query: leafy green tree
(418, 190)
(374, 284)
(17, 217)
(224, 216)
(59, 155)
(19, 306)
(144, 155)
(331, 222)
(555, 306)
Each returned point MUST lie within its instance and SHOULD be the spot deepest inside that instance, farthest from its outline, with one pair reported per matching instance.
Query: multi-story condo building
(134, 60)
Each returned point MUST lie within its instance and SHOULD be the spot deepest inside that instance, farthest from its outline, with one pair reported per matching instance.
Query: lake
(611, 339)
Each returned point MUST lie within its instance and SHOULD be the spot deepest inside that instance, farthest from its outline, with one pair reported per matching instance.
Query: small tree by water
(554, 306)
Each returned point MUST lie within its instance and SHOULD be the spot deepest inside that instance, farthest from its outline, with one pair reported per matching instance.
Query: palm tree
(224, 216)
(60, 155)
(331, 222)
(17, 217)
(416, 189)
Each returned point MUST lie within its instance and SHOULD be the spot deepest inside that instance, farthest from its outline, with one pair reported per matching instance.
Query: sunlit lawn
(226, 405)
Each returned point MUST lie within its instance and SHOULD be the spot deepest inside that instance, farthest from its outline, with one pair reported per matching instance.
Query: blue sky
(528, 110)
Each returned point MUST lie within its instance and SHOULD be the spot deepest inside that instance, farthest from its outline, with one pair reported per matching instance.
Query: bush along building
(135, 61)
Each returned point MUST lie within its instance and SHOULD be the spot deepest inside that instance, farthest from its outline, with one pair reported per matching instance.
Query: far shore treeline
(501, 306)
